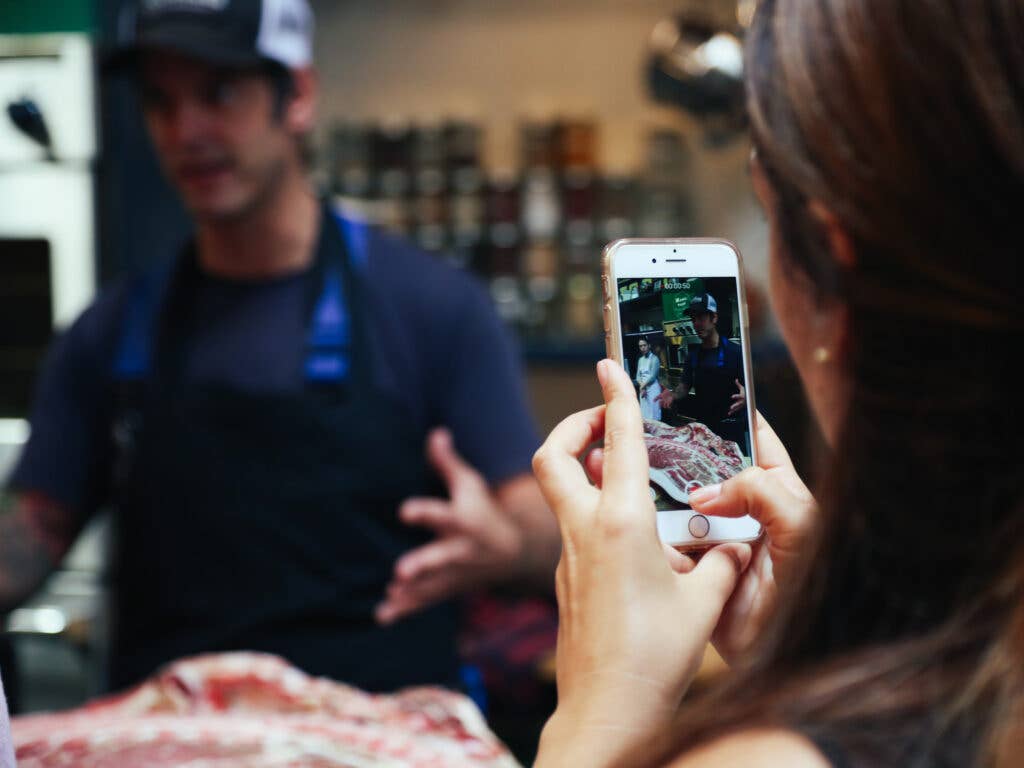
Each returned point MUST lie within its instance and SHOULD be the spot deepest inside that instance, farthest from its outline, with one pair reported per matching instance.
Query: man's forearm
(35, 533)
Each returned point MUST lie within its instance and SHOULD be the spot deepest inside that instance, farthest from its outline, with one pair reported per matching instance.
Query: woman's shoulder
(760, 748)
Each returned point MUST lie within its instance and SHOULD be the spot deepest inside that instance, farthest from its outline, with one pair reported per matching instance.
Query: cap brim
(188, 40)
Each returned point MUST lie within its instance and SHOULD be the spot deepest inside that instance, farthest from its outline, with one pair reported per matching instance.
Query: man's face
(703, 323)
(214, 131)
(643, 347)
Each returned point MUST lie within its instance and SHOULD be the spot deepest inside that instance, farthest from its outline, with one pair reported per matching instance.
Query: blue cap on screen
(703, 303)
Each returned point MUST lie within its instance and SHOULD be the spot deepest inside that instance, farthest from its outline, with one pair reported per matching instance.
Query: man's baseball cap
(703, 303)
(235, 33)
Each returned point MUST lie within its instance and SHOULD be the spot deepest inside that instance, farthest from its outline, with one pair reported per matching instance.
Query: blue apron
(267, 521)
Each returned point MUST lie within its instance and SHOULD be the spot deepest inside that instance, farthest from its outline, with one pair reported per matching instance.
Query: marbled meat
(685, 458)
(255, 710)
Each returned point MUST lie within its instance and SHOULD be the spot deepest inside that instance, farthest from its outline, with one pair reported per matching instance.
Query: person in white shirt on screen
(647, 369)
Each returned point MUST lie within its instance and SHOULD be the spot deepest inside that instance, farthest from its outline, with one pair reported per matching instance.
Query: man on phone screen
(714, 372)
(291, 468)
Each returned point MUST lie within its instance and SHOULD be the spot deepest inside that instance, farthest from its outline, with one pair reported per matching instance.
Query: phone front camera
(654, 261)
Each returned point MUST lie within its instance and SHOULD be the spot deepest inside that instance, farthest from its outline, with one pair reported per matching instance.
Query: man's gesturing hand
(476, 541)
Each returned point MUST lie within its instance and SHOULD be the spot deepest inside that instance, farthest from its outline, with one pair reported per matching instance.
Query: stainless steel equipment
(696, 64)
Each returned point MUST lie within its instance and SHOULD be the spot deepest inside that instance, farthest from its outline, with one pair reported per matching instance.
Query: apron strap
(145, 293)
(337, 274)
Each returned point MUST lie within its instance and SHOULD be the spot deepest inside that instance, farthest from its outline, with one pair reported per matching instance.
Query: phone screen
(682, 344)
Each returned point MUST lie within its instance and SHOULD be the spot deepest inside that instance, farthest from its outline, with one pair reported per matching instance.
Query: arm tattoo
(35, 533)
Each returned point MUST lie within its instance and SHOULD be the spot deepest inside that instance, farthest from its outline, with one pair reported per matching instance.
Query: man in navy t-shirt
(714, 369)
(289, 420)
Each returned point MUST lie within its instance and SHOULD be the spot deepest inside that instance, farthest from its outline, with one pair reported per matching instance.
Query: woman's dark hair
(904, 640)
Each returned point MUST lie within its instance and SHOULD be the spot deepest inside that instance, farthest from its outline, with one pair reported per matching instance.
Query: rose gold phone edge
(613, 338)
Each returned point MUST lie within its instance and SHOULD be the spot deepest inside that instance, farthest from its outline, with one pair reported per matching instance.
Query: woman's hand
(632, 628)
(774, 495)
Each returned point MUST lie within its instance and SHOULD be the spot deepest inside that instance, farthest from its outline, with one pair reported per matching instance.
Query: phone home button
(699, 526)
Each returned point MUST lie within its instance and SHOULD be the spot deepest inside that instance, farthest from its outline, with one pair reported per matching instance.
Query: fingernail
(705, 494)
(382, 614)
(602, 372)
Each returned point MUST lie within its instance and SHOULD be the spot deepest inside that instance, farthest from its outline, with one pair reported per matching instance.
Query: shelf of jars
(533, 234)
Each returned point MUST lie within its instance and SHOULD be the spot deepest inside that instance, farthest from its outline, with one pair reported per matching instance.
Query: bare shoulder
(768, 748)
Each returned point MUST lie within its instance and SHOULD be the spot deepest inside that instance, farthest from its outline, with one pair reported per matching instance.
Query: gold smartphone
(675, 317)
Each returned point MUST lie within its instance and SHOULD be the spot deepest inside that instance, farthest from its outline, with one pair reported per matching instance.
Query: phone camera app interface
(682, 347)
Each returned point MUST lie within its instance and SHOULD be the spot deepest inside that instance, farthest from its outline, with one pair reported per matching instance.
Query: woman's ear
(839, 242)
(832, 321)
(300, 112)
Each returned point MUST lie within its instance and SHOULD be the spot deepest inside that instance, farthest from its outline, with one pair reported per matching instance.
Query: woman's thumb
(718, 572)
